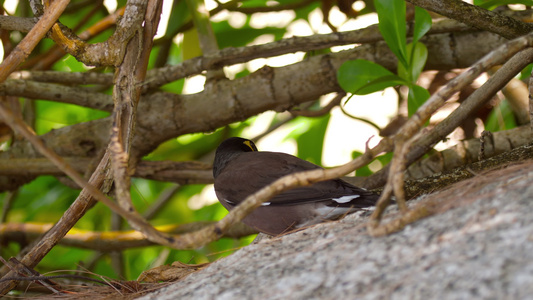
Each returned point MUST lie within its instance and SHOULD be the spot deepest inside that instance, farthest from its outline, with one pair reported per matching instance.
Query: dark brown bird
(240, 170)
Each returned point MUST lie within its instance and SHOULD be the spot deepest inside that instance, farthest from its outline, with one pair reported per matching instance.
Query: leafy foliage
(363, 77)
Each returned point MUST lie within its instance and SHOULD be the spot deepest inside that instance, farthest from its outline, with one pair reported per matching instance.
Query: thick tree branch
(444, 49)
(477, 17)
(184, 172)
(466, 152)
(163, 115)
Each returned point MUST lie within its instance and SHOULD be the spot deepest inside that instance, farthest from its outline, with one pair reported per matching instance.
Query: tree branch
(24, 48)
(406, 136)
(445, 127)
(477, 17)
(164, 115)
(108, 241)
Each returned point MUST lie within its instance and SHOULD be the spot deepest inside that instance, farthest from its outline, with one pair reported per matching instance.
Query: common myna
(240, 170)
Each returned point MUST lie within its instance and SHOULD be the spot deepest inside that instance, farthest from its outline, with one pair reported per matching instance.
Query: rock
(479, 247)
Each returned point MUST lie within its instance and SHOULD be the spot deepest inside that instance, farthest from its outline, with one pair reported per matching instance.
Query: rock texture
(480, 246)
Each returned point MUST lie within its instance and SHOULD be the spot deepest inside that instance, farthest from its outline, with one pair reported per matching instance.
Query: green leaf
(364, 170)
(380, 84)
(178, 16)
(417, 60)
(422, 23)
(419, 56)
(391, 15)
(500, 118)
(311, 142)
(364, 77)
(417, 96)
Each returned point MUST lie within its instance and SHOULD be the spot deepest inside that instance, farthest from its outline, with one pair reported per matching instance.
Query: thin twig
(376, 126)
(445, 127)
(164, 197)
(322, 111)
(404, 138)
(24, 48)
(9, 196)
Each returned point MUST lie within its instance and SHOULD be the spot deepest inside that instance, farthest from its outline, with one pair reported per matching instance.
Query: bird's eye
(250, 145)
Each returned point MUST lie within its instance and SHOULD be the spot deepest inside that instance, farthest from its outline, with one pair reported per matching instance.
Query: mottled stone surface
(481, 249)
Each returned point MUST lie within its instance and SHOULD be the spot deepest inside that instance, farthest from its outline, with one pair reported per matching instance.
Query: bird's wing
(255, 170)
(332, 192)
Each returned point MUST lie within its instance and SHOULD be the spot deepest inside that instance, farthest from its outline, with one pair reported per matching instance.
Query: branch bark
(164, 115)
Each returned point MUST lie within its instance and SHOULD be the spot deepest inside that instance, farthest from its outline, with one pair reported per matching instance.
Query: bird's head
(228, 149)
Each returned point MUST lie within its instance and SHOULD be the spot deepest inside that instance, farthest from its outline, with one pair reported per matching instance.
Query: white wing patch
(346, 199)
(265, 204)
(229, 202)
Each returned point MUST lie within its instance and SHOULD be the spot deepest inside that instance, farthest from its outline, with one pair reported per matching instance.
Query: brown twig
(9, 196)
(404, 139)
(230, 56)
(24, 271)
(45, 61)
(445, 127)
(126, 94)
(26, 169)
(82, 96)
(24, 48)
(322, 111)
(81, 78)
(466, 152)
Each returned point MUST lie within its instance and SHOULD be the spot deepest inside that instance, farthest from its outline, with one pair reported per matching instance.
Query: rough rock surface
(480, 247)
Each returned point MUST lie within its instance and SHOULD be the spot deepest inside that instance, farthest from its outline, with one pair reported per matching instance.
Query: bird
(240, 170)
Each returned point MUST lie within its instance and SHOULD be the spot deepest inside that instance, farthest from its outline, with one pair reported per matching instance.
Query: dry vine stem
(445, 127)
(404, 138)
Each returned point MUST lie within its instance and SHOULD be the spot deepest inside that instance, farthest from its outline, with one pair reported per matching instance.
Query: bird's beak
(250, 145)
